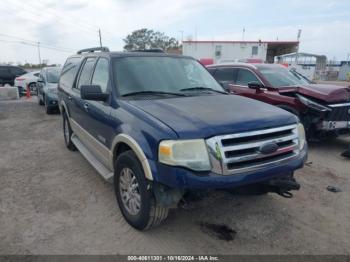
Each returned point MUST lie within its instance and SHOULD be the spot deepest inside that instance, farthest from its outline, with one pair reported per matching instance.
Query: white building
(219, 51)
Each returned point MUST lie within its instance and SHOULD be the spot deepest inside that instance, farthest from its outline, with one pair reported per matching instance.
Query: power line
(33, 44)
(42, 44)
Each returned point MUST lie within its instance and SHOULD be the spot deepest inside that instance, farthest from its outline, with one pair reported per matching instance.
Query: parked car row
(47, 88)
(8, 73)
(159, 125)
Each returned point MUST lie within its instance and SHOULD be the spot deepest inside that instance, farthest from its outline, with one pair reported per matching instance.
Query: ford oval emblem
(268, 148)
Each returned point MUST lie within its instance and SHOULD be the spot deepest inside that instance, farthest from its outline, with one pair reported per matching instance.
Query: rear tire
(136, 201)
(67, 133)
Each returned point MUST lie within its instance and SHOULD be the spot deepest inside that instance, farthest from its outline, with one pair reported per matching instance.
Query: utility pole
(99, 35)
(182, 35)
(243, 33)
(39, 54)
(297, 53)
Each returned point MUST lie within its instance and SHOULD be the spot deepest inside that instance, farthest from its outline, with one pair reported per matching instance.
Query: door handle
(86, 106)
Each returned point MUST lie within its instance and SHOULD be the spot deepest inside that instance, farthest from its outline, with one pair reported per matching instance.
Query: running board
(100, 168)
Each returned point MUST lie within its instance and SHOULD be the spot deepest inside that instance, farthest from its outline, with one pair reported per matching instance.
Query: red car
(321, 108)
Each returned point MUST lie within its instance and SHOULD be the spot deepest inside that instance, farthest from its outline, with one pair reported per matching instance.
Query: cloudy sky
(64, 26)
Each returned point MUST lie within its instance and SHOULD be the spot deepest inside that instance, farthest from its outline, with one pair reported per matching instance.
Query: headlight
(192, 154)
(301, 136)
(312, 104)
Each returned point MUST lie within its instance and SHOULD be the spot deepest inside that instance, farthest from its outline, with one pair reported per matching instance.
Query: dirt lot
(53, 202)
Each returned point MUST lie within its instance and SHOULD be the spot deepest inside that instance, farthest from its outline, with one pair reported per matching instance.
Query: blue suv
(159, 125)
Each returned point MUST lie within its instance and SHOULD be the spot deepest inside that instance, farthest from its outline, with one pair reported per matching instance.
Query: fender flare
(128, 140)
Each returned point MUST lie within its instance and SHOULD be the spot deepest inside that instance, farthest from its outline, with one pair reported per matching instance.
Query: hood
(206, 116)
(327, 93)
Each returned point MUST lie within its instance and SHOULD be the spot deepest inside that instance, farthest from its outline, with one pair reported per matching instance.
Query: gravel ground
(53, 202)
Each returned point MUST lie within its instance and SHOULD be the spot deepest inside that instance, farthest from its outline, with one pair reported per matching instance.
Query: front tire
(136, 201)
(67, 133)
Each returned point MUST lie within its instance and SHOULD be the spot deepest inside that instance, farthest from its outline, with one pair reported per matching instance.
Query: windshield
(175, 75)
(280, 76)
(52, 75)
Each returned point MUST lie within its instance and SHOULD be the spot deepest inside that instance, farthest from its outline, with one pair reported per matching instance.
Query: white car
(29, 79)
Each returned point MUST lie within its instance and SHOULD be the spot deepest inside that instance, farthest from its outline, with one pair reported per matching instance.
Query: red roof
(239, 42)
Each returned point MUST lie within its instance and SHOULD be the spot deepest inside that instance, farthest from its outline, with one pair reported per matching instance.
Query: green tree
(146, 38)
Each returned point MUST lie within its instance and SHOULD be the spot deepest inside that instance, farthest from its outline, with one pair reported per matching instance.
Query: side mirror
(256, 85)
(92, 92)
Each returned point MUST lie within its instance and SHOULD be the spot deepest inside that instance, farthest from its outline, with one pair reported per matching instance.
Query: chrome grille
(340, 112)
(242, 152)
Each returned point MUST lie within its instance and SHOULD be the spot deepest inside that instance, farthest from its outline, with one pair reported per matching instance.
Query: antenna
(99, 35)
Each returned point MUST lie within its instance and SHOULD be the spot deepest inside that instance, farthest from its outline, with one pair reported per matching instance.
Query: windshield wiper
(201, 88)
(152, 93)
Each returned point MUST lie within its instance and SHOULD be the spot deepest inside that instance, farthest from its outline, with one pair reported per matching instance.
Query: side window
(101, 75)
(4, 71)
(69, 71)
(245, 76)
(224, 74)
(36, 74)
(86, 71)
(17, 71)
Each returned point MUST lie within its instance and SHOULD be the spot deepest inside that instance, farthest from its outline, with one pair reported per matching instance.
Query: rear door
(98, 112)
(79, 109)
(95, 116)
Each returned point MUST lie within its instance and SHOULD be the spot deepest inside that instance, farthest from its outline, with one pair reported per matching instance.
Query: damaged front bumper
(332, 125)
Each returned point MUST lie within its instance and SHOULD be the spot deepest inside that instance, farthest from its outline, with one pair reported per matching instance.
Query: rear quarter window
(69, 72)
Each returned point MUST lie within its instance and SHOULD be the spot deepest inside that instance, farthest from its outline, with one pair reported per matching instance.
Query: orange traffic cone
(28, 92)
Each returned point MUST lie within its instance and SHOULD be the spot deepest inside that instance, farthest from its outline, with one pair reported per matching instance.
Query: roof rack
(93, 49)
(153, 50)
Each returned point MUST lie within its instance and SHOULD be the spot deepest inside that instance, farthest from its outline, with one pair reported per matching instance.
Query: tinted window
(255, 50)
(211, 70)
(69, 71)
(100, 76)
(85, 75)
(42, 76)
(4, 71)
(17, 71)
(224, 74)
(245, 76)
(52, 75)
